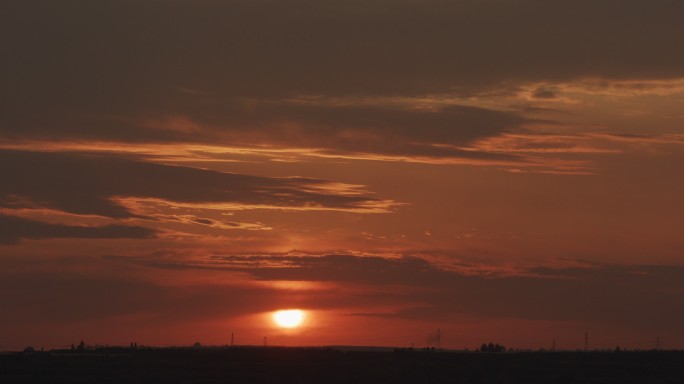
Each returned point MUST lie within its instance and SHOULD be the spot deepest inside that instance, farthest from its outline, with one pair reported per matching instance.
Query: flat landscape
(330, 365)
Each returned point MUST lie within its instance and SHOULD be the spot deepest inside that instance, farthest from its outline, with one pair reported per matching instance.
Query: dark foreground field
(319, 365)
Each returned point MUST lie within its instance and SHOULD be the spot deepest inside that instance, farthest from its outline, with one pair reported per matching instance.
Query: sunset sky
(175, 171)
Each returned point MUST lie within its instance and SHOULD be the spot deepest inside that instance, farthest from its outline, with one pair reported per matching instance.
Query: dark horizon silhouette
(259, 364)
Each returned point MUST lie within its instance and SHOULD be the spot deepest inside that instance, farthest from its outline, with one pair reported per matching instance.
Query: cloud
(115, 186)
(226, 72)
(222, 224)
(640, 295)
(63, 297)
(313, 128)
(13, 229)
(379, 129)
(542, 93)
(409, 288)
(267, 48)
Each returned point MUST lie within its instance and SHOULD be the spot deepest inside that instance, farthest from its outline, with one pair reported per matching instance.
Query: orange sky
(174, 171)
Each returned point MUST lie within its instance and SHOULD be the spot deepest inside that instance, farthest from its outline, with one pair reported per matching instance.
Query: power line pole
(439, 339)
(265, 341)
(232, 339)
(586, 341)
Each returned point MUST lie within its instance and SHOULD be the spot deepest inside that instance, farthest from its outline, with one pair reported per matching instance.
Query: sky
(506, 171)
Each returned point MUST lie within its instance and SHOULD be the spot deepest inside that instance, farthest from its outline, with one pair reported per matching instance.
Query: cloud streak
(639, 295)
(13, 229)
(112, 186)
(225, 73)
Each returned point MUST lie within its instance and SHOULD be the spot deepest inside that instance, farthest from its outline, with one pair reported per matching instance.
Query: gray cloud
(645, 296)
(642, 295)
(269, 48)
(13, 229)
(363, 129)
(96, 70)
(60, 297)
(543, 93)
(87, 184)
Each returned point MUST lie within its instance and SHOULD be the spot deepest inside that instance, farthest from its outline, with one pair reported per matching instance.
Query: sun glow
(290, 318)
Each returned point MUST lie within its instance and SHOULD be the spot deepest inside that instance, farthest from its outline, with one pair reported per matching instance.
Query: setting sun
(290, 318)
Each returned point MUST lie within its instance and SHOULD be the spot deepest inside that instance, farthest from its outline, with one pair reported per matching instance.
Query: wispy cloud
(110, 185)
(579, 291)
(347, 92)
(13, 229)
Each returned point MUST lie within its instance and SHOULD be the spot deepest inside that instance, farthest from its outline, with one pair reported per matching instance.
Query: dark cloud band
(91, 184)
(13, 229)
